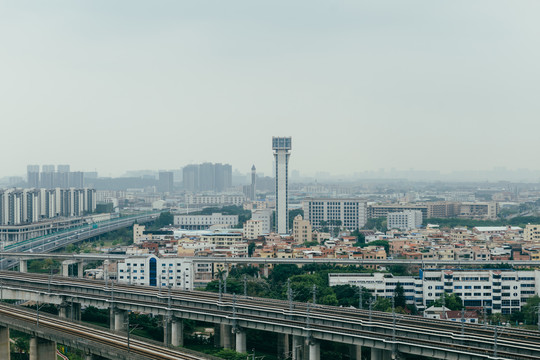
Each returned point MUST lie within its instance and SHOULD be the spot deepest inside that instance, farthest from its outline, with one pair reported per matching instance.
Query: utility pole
(538, 317)
(225, 285)
(360, 298)
(370, 309)
(289, 294)
(245, 285)
(314, 294)
(495, 342)
(485, 317)
(393, 327)
(462, 324)
(220, 290)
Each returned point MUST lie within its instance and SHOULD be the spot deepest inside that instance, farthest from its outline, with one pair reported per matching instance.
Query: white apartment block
(222, 239)
(153, 271)
(351, 212)
(498, 291)
(265, 217)
(252, 229)
(201, 222)
(405, 220)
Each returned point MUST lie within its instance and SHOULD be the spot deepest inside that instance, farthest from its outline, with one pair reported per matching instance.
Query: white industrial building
(405, 220)
(498, 291)
(352, 213)
(200, 222)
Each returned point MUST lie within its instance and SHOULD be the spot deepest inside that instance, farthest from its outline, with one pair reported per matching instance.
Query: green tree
(451, 301)
(251, 248)
(399, 296)
(360, 238)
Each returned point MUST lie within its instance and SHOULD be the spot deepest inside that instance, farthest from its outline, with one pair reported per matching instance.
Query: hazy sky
(359, 85)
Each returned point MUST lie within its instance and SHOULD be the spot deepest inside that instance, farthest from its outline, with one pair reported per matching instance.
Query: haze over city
(360, 86)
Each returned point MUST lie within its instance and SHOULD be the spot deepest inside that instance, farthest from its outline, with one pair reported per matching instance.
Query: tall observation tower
(281, 147)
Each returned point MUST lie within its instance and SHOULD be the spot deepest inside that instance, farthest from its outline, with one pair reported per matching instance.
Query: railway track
(96, 336)
(352, 321)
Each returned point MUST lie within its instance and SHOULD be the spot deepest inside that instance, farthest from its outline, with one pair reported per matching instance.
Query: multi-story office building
(405, 220)
(281, 147)
(498, 291)
(201, 222)
(351, 213)
(153, 271)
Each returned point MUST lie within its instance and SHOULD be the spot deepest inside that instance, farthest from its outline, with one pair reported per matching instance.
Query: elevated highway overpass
(57, 240)
(385, 334)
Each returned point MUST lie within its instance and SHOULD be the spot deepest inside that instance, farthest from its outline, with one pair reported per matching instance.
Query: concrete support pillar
(386, 354)
(80, 269)
(75, 311)
(265, 270)
(226, 336)
(283, 349)
(23, 266)
(217, 335)
(177, 332)
(355, 352)
(89, 357)
(63, 310)
(42, 349)
(297, 347)
(314, 350)
(4, 343)
(376, 354)
(119, 320)
(65, 267)
(240, 341)
(166, 330)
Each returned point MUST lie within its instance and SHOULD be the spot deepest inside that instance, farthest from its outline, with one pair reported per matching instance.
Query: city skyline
(360, 86)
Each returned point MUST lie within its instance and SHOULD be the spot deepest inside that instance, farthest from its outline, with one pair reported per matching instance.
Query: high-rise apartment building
(349, 213)
(47, 176)
(32, 178)
(207, 177)
(166, 181)
(281, 147)
(28, 205)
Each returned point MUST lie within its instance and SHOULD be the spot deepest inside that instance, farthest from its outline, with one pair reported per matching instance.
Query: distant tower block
(252, 195)
(281, 147)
